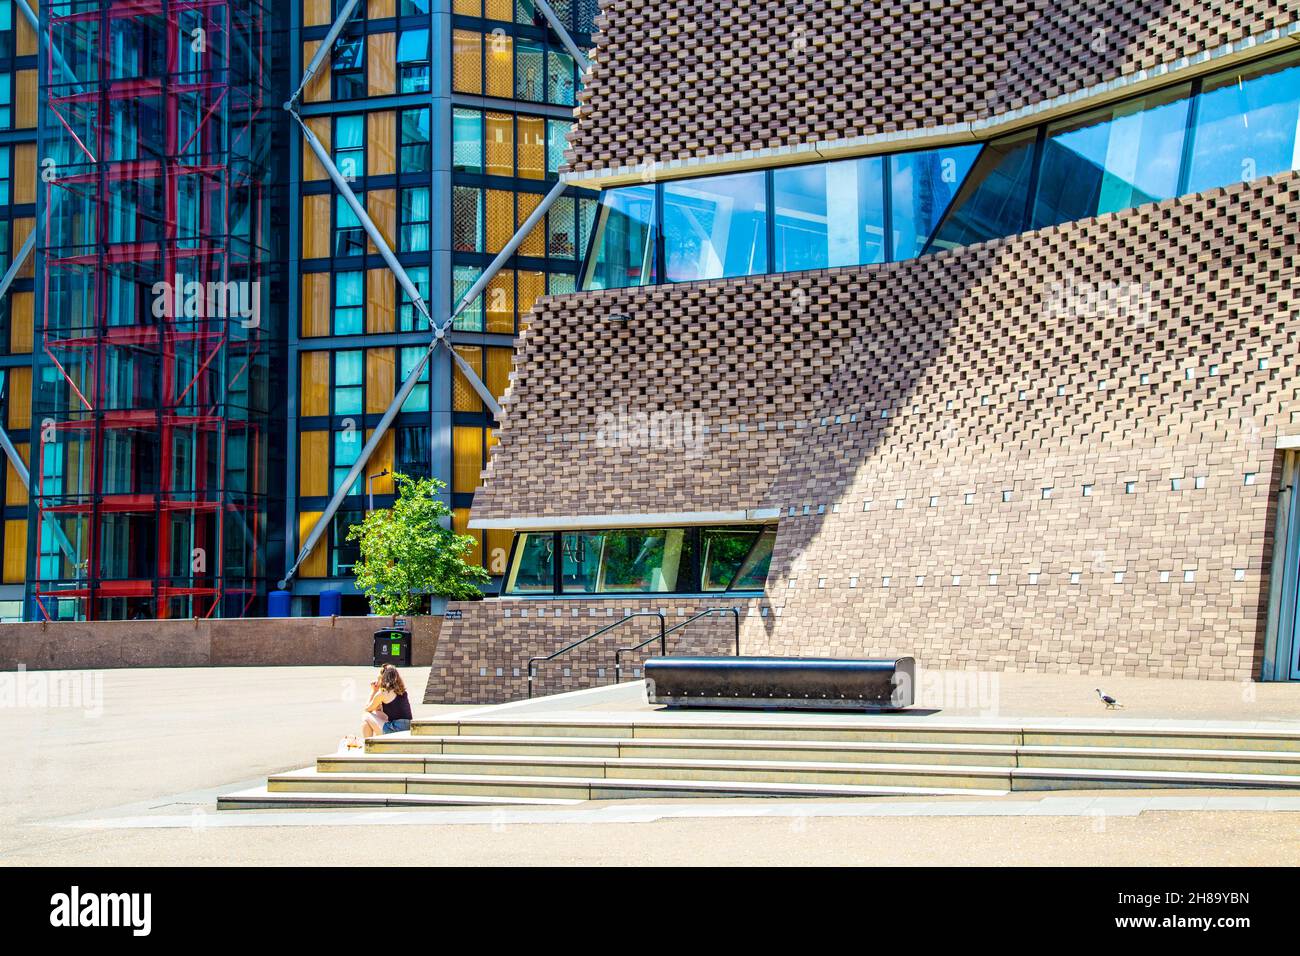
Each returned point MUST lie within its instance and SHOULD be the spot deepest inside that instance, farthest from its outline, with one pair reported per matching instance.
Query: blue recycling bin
(331, 603)
(277, 604)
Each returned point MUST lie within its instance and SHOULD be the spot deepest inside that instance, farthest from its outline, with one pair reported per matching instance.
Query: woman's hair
(390, 679)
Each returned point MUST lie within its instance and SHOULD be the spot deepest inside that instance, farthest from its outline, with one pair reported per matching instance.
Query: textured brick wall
(846, 390)
(482, 657)
(673, 80)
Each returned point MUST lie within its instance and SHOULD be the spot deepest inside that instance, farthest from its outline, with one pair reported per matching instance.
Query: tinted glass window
(993, 201)
(1113, 159)
(829, 214)
(623, 252)
(922, 187)
(533, 571)
(715, 228)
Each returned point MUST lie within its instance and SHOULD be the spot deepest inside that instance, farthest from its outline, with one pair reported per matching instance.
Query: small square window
(1076, 577)
(1175, 484)
(853, 580)
(969, 498)
(956, 580)
(1047, 493)
(1087, 491)
(993, 577)
(1189, 576)
(1033, 577)
(1199, 482)
(934, 501)
(884, 582)
(1022, 395)
(920, 580)
(1060, 390)
(821, 582)
(1189, 374)
(866, 505)
(898, 503)
(1006, 495)
(1144, 379)
(1250, 477)
(1263, 364)
(1130, 487)
(1164, 577)
(1238, 574)
(1119, 577)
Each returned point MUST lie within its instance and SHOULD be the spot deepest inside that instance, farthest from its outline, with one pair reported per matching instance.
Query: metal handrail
(663, 647)
(662, 638)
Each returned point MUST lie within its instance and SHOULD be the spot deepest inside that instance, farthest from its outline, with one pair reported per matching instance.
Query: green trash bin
(392, 646)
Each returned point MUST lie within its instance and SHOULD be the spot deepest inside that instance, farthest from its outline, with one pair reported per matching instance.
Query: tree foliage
(408, 551)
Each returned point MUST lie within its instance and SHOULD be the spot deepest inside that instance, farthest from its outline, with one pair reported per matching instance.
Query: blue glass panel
(1245, 125)
(829, 214)
(994, 199)
(622, 253)
(922, 186)
(715, 227)
(1113, 159)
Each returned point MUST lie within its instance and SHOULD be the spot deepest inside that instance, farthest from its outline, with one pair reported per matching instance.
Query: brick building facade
(1063, 448)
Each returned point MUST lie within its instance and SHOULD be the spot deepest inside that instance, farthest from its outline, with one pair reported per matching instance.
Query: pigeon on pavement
(1110, 702)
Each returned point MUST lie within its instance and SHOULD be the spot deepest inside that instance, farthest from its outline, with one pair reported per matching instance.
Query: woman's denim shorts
(393, 726)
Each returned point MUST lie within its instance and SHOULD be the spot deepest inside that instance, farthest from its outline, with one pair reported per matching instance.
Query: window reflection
(1246, 125)
(715, 228)
(922, 187)
(623, 252)
(640, 560)
(533, 571)
(1112, 159)
(829, 214)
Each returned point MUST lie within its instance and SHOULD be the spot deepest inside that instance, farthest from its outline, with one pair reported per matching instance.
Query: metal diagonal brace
(565, 37)
(408, 385)
(11, 273)
(322, 51)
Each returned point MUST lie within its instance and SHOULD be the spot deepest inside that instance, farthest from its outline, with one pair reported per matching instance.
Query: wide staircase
(562, 760)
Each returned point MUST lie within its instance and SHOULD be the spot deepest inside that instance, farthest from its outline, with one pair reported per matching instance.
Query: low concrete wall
(260, 641)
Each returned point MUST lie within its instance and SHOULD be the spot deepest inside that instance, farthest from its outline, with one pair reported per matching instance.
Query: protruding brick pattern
(482, 657)
(690, 79)
(855, 396)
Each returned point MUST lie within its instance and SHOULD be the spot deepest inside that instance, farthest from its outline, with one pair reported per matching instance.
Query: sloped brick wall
(974, 372)
(673, 80)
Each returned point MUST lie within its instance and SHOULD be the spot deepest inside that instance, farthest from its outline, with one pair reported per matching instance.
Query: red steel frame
(192, 402)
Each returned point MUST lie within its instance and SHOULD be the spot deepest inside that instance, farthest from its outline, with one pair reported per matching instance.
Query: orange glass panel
(381, 288)
(380, 390)
(314, 384)
(381, 64)
(467, 61)
(532, 147)
(315, 303)
(382, 136)
(500, 144)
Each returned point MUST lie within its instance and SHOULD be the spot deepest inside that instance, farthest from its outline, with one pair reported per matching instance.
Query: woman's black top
(399, 708)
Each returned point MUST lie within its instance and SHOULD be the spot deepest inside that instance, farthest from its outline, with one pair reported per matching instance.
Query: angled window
(623, 249)
(921, 188)
(533, 569)
(994, 199)
(1246, 124)
(715, 228)
(1112, 159)
(829, 214)
(348, 68)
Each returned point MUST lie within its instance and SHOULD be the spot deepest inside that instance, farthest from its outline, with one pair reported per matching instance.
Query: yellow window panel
(382, 206)
(499, 144)
(534, 244)
(15, 491)
(380, 390)
(499, 305)
(315, 304)
(460, 524)
(499, 65)
(316, 13)
(318, 90)
(315, 565)
(24, 172)
(20, 322)
(20, 399)
(499, 361)
(467, 8)
(316, 226)
(463, 396)
(532, 286)
(322, 128)
(313, 459)
(381, 460)
(381, 134)
(498, 10)
(500, 207)
(15, 566)
(22, 229)
(25, 99)
(532, 147)
(381, 290)
(467, 61)
(314, 387)
(381, 63)
(24, 35)
(379, 9)
(467, 457)
(498, 550)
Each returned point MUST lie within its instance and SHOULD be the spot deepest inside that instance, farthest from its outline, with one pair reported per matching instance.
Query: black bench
(781, 683)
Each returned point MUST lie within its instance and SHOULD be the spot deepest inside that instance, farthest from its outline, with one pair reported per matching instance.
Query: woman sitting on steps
(389, 709)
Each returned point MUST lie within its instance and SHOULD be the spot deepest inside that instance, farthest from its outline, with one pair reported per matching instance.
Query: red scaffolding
(152, 260)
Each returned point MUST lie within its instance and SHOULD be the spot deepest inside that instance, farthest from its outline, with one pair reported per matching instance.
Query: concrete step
(589, 787)
(696, 748)
(262, 798)
(870, 730)
(634, 768)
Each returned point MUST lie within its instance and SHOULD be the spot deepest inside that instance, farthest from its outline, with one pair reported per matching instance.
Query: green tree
(407, 551)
